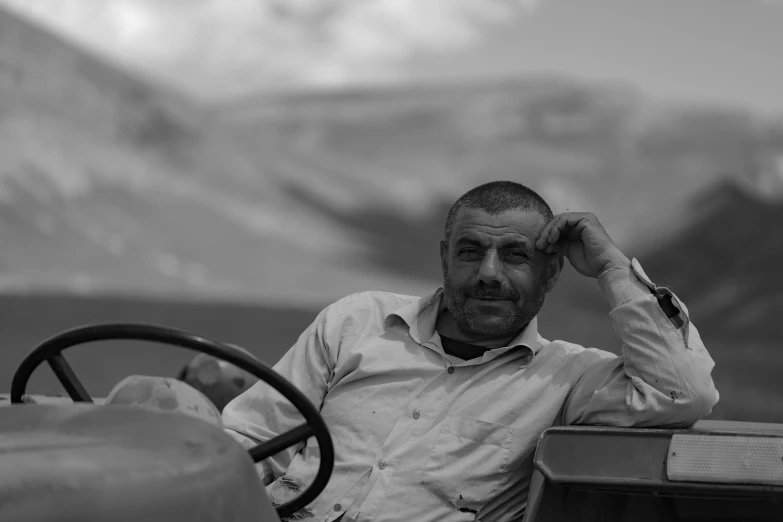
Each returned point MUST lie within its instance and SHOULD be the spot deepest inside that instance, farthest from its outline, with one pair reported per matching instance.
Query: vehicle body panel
(615, 474)
(76, 462)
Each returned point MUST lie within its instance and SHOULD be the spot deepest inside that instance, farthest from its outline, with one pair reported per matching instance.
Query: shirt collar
(421, 316)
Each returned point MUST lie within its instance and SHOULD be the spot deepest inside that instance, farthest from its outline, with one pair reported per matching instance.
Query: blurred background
(232, 166)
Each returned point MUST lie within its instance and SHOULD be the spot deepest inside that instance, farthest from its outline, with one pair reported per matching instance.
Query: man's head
(494, 278)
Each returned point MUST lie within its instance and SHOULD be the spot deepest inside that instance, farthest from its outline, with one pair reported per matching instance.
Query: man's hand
(583, 240)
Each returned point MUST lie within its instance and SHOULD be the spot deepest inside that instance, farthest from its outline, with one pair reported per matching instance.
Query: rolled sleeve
(663, 377)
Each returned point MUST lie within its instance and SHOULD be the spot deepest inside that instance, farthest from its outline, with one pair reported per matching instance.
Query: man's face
(494, 278)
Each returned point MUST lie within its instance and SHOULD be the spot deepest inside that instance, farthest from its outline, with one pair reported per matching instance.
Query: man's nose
(491, 269)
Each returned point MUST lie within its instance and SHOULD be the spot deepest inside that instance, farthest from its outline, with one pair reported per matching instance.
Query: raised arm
(261, 413)
(663, 377)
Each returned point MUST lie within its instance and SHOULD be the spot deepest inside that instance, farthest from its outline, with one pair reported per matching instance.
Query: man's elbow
(700, 396)
(706, 398)
(696, 404)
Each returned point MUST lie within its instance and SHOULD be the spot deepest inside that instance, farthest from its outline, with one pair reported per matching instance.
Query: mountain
(389, 162)
(111, 184)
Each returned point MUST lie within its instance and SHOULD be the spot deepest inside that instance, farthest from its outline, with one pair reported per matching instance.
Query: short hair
(496, 197)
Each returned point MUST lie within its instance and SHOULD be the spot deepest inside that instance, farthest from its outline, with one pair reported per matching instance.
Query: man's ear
(554, 267)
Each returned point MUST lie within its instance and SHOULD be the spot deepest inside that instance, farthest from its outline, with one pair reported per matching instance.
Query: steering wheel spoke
(50, 352)
(68, 378)
(286, 440)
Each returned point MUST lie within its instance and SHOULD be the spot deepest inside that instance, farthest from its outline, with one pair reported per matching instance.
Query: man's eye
(516, 256)
(468, 252)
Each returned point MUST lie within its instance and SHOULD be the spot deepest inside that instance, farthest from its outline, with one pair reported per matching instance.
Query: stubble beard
(472, 323)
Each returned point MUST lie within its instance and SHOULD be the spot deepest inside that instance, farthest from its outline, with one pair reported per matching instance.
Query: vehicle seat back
(596, 474)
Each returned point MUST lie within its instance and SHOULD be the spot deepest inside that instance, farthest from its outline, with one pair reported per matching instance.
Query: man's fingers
(543, 239)
(563, 226)
(554, 232)
(541, 242)
(551, 231)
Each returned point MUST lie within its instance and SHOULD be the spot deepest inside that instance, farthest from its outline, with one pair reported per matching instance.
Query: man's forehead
(518, 222)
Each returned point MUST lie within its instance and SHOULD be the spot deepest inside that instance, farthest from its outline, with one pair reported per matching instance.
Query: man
(435, 404)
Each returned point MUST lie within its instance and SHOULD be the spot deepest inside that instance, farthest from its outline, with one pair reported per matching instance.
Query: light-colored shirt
(420, 435)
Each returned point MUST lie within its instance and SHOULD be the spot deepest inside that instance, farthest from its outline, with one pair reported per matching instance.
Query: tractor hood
(77, 462)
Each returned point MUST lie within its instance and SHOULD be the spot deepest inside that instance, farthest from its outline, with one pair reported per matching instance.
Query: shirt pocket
(468, 462)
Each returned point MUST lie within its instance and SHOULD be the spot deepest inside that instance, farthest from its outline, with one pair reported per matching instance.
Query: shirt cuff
(626, 284)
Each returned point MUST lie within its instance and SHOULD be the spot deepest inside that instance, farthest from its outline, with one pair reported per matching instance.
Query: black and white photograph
(391, 260)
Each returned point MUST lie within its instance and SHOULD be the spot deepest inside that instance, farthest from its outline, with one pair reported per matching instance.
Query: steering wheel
(314, 426)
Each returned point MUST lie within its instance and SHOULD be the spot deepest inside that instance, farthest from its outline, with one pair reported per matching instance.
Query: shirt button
(382, 465)
(338, 507)
(416, 414)
(451, 369)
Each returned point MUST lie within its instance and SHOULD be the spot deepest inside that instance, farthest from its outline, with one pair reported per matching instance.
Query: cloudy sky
(705, 50)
